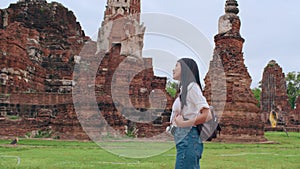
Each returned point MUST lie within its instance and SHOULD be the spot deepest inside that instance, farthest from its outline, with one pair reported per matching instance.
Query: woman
(189, 109)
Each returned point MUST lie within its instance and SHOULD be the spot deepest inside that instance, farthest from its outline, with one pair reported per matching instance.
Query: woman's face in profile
(177, 71)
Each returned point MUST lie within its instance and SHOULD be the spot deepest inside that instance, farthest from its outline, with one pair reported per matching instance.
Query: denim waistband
(182, 132)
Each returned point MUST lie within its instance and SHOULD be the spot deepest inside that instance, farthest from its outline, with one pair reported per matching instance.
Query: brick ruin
(274, 91)
(38, 43)
(51, 73)
(228, 82)
(274, 94)
(41, 43)
(127, 92)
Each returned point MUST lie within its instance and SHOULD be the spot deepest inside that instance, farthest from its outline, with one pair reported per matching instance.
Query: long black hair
(189, 73)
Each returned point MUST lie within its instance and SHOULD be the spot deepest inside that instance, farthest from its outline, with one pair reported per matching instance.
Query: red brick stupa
(227, 83)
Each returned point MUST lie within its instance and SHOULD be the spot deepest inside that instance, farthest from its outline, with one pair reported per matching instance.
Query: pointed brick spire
(231, 7)
(227, 83)
(229, 23)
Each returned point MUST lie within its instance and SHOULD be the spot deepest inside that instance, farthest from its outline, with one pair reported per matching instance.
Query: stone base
(279, 128)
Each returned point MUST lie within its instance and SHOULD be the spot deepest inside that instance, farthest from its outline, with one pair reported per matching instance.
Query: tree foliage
(172, 88)
(293, 87)
(257, 92)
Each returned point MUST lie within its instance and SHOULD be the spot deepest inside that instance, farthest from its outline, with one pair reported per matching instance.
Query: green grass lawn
(34, 154)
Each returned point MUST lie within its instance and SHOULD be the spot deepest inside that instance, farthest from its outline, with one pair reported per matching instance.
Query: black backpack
(209, 130)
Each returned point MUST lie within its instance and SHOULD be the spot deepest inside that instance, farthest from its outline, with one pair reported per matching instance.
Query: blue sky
(270, 27)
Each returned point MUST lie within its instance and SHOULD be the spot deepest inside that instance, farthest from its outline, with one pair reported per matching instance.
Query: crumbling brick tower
(120, 39)
(126, 87)
(274, 91)
(227, 83)
(38, 43)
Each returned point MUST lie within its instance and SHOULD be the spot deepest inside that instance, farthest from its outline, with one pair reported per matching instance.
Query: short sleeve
(196, 97)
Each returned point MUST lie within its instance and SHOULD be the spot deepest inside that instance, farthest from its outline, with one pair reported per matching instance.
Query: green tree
(293, 87)
(171, 88)
(256, 91)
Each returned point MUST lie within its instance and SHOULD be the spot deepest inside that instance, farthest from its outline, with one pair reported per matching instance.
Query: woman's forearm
(180, 122)
(204, 116)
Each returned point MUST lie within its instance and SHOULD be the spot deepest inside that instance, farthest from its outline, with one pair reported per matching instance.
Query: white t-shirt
(176, 109)
(195, 102)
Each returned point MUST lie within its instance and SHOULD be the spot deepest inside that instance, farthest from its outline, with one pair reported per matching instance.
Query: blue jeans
(189, 148)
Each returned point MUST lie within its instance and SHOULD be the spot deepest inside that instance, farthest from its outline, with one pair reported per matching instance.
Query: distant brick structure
(274, 91)
(227, 83)
(274, 97)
